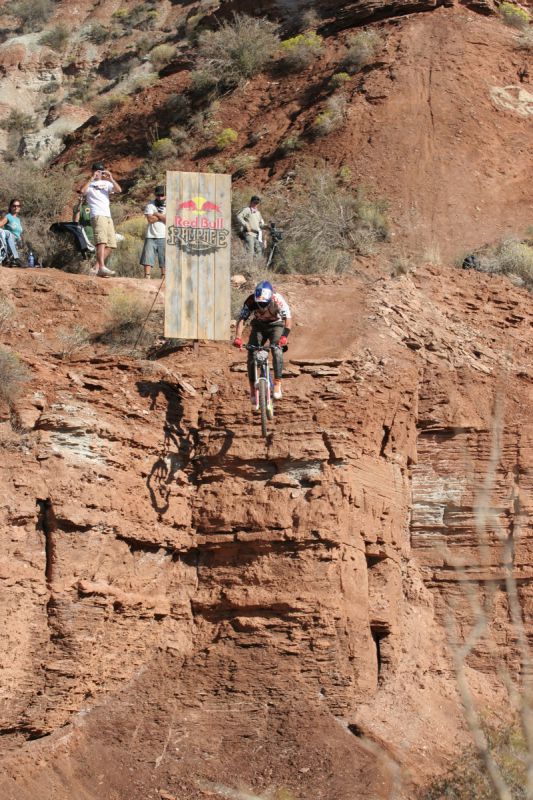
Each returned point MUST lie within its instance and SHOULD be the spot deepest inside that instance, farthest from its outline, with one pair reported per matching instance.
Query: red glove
(282, 341)
(237, 343)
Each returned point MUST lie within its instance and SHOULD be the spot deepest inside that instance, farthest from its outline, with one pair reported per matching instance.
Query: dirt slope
(191, 612)
(440, 126)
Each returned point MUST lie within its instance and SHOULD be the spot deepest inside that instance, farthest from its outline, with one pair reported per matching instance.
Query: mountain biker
(271, 322)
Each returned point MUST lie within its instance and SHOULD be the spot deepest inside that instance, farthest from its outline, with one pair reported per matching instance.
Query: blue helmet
(263, 293)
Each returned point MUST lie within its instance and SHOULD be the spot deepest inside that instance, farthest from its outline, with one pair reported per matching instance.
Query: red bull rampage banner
(199, 227)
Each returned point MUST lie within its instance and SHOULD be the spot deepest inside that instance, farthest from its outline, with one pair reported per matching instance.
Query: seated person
(11, 231)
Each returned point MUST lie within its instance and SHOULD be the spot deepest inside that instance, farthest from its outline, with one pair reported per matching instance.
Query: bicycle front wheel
(263, 406)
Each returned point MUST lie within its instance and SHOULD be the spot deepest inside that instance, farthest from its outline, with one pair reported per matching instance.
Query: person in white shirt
(97, 190)
(252, 224)
(154, 243)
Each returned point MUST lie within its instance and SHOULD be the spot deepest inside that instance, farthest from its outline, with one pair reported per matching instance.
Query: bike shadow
(177, 443)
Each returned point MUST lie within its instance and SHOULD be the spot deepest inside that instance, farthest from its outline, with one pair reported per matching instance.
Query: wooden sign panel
(197, 294)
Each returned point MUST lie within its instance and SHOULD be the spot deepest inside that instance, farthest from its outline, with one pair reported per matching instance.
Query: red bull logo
(198, 213)
(198, 226)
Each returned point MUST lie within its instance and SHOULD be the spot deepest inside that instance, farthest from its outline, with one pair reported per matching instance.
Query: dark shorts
(151, 249)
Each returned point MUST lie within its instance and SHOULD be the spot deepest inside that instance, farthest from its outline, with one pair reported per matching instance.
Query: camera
(275, 234)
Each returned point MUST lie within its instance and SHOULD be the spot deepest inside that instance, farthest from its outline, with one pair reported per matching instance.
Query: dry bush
(525, 42)
(513, 257)
(300, 51)
(98, 33)
(162, 55)
(241, 164)
(7, 312)
(290, 143)
(19, 122)
(514, 16)
(43, 192)
(339, 80)
(72, 340)
(131, 324)
(236, 51)
(32, 13)
(362, 50)
(468, 780)
(126, 313)
(179, 107)
(332, 117)
(162, 149)
(56, 38)
(13, 376)
(107, 103)
(125, 259)
(326, 225)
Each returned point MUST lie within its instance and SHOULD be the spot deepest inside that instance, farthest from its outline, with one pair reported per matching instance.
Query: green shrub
(237, 50)
(226, 138)
(362, 50)
(51, 87)
(332, 117)
(56, 38)
(162, 55)
(514, 16)
(13, 376)
(338, 80)
(162, 149)
(300, 51)
(32, 13)
(290, 143)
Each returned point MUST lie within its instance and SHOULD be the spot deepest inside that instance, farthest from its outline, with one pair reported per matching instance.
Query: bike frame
(261, 370)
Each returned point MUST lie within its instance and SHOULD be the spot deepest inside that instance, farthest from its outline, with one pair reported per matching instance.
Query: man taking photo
(97, 190)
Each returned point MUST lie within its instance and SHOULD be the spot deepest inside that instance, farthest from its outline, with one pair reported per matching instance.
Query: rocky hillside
(191, 611)
(437, 121)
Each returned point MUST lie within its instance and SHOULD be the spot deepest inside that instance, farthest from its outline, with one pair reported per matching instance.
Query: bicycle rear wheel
(263, 406)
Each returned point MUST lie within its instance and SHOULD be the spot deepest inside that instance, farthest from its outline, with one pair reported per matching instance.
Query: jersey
(277, 311)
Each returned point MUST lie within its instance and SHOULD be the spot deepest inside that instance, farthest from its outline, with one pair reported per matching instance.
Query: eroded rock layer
(187, 605)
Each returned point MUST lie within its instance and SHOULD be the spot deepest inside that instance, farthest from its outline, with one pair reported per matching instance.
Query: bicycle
(263, 383)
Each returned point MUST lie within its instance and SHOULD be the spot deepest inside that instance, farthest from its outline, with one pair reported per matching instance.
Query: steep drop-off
(187, 606)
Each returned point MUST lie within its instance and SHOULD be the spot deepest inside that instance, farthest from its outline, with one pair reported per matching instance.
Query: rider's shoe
(277, 390)
(254, 402)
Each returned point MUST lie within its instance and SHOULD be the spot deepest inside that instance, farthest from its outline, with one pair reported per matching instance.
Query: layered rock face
(192, 609)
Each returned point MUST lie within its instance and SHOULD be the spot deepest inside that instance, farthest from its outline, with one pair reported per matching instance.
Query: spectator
(97, 190)
(252, 224)
(81, 213)
(11, 231)
(154, 243)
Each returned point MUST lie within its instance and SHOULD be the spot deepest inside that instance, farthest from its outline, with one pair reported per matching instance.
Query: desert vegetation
(301, 50)
(515, 16)
(13, 376)
(235, 52)
(362, 50)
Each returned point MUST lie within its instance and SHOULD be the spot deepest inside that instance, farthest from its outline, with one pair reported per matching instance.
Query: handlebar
(253, 347)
